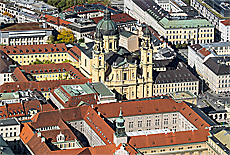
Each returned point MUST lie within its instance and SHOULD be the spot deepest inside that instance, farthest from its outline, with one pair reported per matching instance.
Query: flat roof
(182, 95)
(8, 122)
(7, 96)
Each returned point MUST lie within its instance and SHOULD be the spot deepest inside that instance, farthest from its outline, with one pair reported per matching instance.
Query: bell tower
(98, 59)
(120, 135)
(147, 61)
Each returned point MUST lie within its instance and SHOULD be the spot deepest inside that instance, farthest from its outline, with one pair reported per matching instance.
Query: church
(129, 75)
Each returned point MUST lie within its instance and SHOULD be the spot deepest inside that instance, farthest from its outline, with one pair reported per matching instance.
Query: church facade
(129, 74)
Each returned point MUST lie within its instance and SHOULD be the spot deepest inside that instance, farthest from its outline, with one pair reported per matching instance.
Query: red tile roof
(50, 68)
(204, 52)
(15, 110)
(35, 104)
(75, 52)
(24, 27)
(18, 76)
(226, 22)
(39, 85)
(156, 140)
(123, 17)
(56, 20)
(28, 49)
(64, 129)
(102, 129)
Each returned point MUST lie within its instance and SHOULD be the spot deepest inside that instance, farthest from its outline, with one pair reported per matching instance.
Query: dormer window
(60, 137)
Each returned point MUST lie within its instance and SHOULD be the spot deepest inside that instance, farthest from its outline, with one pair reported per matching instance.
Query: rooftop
(25, 27)
(8, 122)
(182, 95)
(28, 49)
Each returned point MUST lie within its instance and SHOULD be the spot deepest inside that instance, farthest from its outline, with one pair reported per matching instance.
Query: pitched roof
(50, 68)
(15, 110)
(18, 76)
(75, 52)
(5, 62)
(56, 20)
(39, 85)
(38, 49)
(226, 22)
(127, 34)
(121, 18)
(24, 27)
(218, 65)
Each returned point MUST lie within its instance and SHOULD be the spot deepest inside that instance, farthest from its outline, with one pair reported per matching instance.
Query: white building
(10, 130)
(25, 34)
(225, 30)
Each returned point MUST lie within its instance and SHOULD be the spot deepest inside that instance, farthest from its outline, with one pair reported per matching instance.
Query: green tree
(66, 61)
(82, 40)
(66, 36)
(50, 39)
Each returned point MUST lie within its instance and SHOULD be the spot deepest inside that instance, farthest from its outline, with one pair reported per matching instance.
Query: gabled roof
(18, 76)
(56, 20)
(121, 18)
(226, 22)
(25, 27)
(31, 49)
(40, 85)
(5, 62)
(127, 34)
(218, 65)
(75, 52)
(51, 68)
(15, 110)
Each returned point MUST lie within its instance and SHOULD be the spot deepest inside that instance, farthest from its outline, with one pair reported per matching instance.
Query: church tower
(147, 61)
(106, 40)
(120, 135)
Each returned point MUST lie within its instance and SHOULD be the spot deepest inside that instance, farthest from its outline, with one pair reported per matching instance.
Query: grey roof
(175, 76)
(152, 8)
(216, 112)
(88, 50)
(206, 118)
(165, 63)
(8, 121)
(101, 89)
(217, 44)
(127, 34)
(6, 149)
(218, 65)
(5, 63)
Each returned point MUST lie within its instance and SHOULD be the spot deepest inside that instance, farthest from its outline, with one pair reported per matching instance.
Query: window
(110, 45)
(174, 120)
(148, 122)
(139, 124)
(85, 62)
(130, 124)
(165, 121)
(157, 121)
(125, 76)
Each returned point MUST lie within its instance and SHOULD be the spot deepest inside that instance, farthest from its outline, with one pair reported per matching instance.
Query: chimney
(43, 139)
(92, 105)
(39, 134)
(99, 113)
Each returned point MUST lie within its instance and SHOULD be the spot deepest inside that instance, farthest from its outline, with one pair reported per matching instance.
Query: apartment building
(25, 34)
(176, 30)
(225, 29)
(10, 129)
(218, 141)
(217, 74)
(26, 54)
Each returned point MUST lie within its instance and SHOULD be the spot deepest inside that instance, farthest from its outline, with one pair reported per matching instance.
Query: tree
(82, 40)
(66, 36)
(50, 39)
(40, 62)
(66, 75)
(66, 61)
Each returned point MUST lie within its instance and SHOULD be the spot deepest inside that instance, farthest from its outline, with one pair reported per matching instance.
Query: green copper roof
(101, 89)
(8, 96)
(194, 23)
(126, 34)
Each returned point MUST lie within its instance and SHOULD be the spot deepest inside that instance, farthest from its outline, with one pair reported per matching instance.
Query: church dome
(107, 26)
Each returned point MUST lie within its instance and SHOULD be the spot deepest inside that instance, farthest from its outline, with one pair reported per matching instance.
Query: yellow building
(26, 54)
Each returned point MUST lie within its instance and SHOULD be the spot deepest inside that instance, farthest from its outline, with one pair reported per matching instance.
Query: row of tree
(37, 61)
(65, 4)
